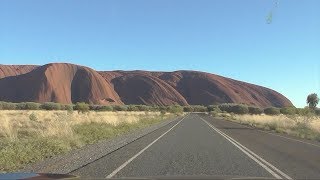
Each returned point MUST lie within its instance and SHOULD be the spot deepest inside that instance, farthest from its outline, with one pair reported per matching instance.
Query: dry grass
(15, 123)
(30, 136)
(301, 126)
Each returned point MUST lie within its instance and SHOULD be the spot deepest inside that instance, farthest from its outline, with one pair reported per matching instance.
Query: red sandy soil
(68, 83)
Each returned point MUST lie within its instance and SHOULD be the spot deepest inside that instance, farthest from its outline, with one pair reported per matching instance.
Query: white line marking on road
(251, 154)
(140, 152)
(291, 139)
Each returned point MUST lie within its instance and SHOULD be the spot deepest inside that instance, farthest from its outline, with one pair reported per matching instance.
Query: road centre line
(140, 152)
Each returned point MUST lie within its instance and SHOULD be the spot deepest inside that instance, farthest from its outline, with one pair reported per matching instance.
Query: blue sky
(225, 37)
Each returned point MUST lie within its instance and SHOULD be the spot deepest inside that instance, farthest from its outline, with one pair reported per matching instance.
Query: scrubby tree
(312, 100)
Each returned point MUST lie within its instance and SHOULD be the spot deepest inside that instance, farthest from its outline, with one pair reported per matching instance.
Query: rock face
(68, 83)
(59, 82)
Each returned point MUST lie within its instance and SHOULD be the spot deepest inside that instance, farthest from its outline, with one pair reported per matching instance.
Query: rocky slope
(68, 83)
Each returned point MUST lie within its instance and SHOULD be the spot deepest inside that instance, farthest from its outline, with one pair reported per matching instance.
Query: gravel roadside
(66, 163)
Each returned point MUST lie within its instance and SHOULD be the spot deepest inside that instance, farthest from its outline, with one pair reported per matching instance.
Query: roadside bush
(187, 109)
(32, 106)
(272, 111)
(82, 107)
(304, 111)
(234, 108)
(212, 108)
(7, 106)
(288, 110)
(154, 108)
(198, 108)
(317, 112)
(240, 109)
(143, 107)
(255, 110)
(68, 107)
(28, 106)
(105, 108)
(119, 108)
(132, 108)
(225, 107)
(175, 109)
(20, 106)
(51, 106)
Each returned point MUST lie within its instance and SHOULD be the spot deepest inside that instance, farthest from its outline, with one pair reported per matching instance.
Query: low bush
(225, 107)
(288, 110)
(304, 111)
(132, 108)
(105, 108)
(82, 107)
(234, 108)
(51, 106)
(188, 109)
(7, 106)
(199, 108)
(272, 111)
(28, 106)
(175, 109)
(119, 108)
(68, 107)
(255, 110)
(143, 107)
(240, 109)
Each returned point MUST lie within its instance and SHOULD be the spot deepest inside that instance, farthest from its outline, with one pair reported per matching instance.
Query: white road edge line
(140, 152)
(253, 156)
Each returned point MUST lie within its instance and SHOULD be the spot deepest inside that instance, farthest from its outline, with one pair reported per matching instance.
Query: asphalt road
(201, 146)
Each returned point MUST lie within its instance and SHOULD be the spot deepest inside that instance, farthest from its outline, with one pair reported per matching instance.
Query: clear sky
(226, 37)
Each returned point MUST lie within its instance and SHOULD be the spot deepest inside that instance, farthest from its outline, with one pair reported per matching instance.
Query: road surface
(198, 145)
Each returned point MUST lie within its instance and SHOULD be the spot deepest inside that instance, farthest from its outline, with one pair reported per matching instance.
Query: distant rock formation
(69, 83)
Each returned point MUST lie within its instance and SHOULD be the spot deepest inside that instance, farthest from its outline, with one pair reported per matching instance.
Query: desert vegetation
(30, 131)
(299, 122)
(27, 136)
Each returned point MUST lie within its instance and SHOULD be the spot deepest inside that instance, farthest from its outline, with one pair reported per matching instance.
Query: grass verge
(28, 137)
(294, 125)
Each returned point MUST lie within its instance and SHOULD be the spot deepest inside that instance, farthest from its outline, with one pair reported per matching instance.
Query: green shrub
(212, 108)
(28, 106)
(132, 108)
(188, 109)
(240, 109)
(68, 107)
(175, 109)
(119, 108)
(32, 106)
(143, 107)
(51, 106)
(154, 108)
(198, 108)
(234, 108)
(304, 111)
(225, 107)
(272, 111)
(317, 112)
(288, 110)
(255, 110)
(105, 108)
(33, 117)
(82, 107)
(8, 106)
